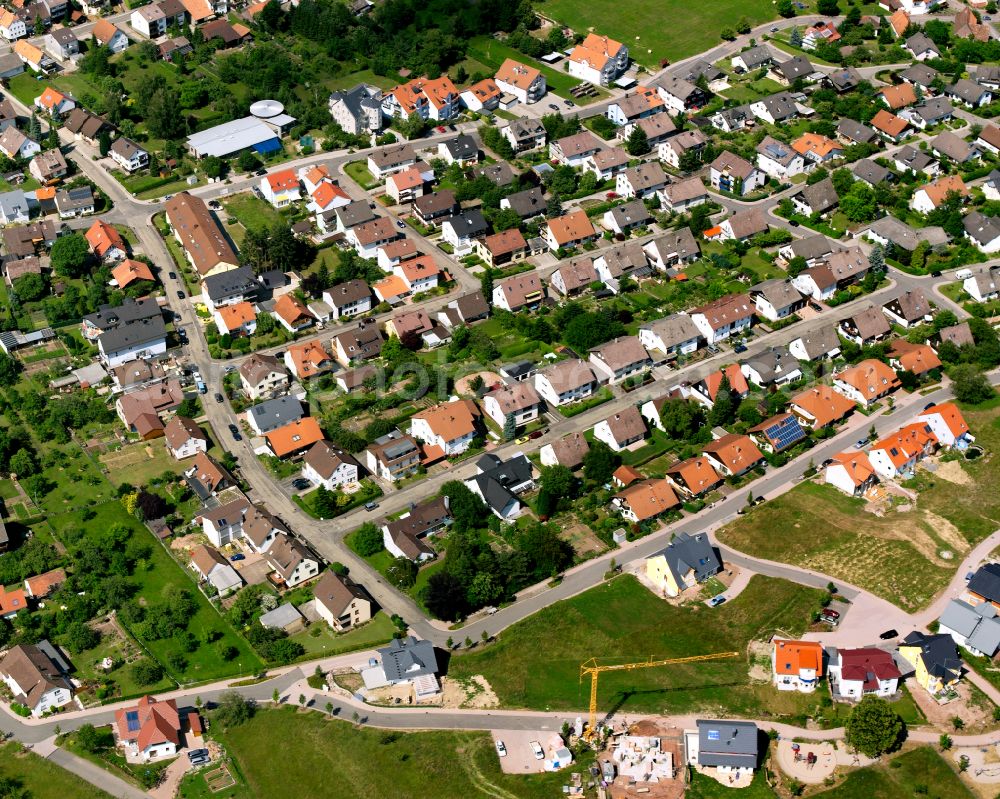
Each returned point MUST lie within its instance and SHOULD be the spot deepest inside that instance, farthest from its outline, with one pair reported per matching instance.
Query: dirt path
(477, 776)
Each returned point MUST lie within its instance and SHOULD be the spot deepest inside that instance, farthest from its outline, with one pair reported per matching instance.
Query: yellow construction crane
(592, 668)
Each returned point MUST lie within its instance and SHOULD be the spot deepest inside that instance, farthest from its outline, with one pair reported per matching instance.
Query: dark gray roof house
(843, 80)
(133, 334)
(855, 132)
(353, 214)
(691, 554)
(929, 112)
(871, 173)
(938, 653)
(499, 174)
(730, 744)
(631, 214)
(983, 230)
(919, 75)
(230, 285)
(436, 205)
(920, 43)
(462, 148)
(817, 198)
(795, 68)
(755, 57)
(499, 482)
(275, 413)
(469, 223)
(108, 317)
(527, 203)
(986, 582)
(405, 659)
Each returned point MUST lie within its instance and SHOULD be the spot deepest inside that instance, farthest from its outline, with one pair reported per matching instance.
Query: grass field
(328, 643)
(703, 787)
(40, 779)
(910, 774)
(817, 527)
(317, 753)
(672, 29)
(536, 663)
(358, 172)
(153, 578)
(139, 463)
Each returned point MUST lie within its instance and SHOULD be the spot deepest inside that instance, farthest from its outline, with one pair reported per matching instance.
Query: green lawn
(317, 754)
(361, 76)
(327, 643)
(153, 577)
(752, 90)
(536, 663)
(252, 212)
(672, 29)
(977, 515)
(817, 527)
(358, 172)
(910, 774)
(41, 779)
(703, 787)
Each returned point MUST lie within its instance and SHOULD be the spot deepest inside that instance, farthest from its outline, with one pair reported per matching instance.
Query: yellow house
(937, 666)
(687, 561)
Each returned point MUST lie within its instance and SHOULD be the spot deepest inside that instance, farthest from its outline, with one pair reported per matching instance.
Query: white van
(963, 274)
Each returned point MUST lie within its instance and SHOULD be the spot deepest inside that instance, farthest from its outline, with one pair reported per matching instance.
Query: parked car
(235, 431)
(522, 440)
(194, 753)
(180, 294)
(172, 275)
(300, 483)
(888, 635)
(536, 748)
(833, 614)
(501, 749)
(371, 505)
(740, 348)
(238, 556)
(218, 397)
(553, 106)
(717, 600)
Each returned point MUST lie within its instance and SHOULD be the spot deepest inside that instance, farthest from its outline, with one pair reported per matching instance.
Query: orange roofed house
(525, 83)
(733, 454)
(851, 472)
(898, 96)
(281, 188)
(598, 60)
(131, 271)
(796, 665)
(292, 313)
(205, 244)
(571, 230)
(898, 454)
(307, 360)
(867, 382)
(150, 730)
(707, 389)
(294, 437)
(693, 477)
(436, 99)
(817, 149)
(916, 358)
(451, 426)
(105, 241)
(931, 195)
(820, 406)
(948, 424)
(646, 500)
(482, 95)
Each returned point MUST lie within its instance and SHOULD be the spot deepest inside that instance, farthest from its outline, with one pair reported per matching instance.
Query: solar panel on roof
(132, 720)
(785, 433)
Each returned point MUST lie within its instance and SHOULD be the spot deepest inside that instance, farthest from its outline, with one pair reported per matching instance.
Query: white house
(329, 466)
(796, 665)
(281, 188)
(598, 60)
(948, 425)
(525, 83)
(851, 472)
(565, 382)
(724, 317)
(451, 426)
(519, 400)
(622, 429)
(856, 673)
(36, 675)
